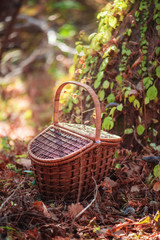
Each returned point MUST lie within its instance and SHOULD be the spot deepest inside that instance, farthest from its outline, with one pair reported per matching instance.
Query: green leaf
(110, 98)
(113, 21)
(112, 48)
(136, 103)
(100, 75)
(75, 100)
(147, 82)
(119, 79)
(157, 51)
(147, 100)
(101, 94)
(108, 123)
(78, 119)
(104, 64)
(158, 71)
(152, 93)
(86, 69)
(91, 36)
(67, 30)
(88, 98)
(131, 98)
(126, 93)
(118, 165)
(106, 36)
(111, 85)
(128, 52)
(155, 132)
(112, 111)
(97, 84)
(128, 131)
(105, 84)
(140, 129)
(120, 107)
(156, 171)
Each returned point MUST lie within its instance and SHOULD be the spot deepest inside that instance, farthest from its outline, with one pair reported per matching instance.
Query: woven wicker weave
(67, 157)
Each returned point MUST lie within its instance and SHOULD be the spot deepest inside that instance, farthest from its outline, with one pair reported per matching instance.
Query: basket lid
(55, 143)
(89, 132)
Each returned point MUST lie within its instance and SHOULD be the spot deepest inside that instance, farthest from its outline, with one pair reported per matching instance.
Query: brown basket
(67, 157)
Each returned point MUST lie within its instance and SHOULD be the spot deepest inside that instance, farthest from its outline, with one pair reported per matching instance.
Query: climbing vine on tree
(121, 62)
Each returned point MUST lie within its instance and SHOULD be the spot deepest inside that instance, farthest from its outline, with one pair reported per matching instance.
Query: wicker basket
(66, 157)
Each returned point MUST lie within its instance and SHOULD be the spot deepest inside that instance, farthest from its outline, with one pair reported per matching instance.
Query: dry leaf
(41, 207)
(133, 92)
(25, 162)
(157, 216)
(109, 183)
(156, 186)
(74, 209)
(145, 220)
(135, 188)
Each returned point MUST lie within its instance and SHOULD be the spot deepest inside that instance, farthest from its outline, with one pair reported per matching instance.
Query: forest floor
(125, 206)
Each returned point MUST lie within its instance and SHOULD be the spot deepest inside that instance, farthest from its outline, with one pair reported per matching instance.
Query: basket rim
(115, 139)
(55, 160)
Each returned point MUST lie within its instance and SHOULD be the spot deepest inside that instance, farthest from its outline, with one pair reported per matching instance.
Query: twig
(3, 204)
(93, 200)
(23, 64)
(10, 27)
(98, 210)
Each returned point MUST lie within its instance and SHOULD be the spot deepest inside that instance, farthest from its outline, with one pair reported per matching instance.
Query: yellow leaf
(156, 186)
(157, 216)
(145, 220)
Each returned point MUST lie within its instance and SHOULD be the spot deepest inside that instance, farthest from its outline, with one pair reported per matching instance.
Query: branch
(50, 33)
(93, 200)
(3, 204)
(9, 28)
(23, 64)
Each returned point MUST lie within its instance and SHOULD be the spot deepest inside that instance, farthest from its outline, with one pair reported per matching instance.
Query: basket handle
(95, 100)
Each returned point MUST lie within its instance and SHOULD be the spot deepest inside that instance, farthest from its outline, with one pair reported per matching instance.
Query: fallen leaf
(41, 207)
(156, 186)
(146, 219)
(157, 216)
(74, 209)
(135, 188)
(33, 233)
(109, 183)
(25, 162)
(133, 92)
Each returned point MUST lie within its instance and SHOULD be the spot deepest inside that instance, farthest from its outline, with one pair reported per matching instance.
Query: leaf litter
(125, 206)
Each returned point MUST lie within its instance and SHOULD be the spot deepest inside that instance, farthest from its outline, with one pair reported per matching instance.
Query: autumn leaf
(156, 186)
(109, 183)
(145, 220)
(74, 209)
(41, 207)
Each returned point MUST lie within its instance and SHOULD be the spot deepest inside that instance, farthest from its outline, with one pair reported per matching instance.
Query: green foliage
(66, 5)
(109, 17)
(140, 129)
(108, 123)
(158, 71)
(152, 93)
(157, 171)
(4, 144)
(67, 30)
(128, 131)
(136, 83)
